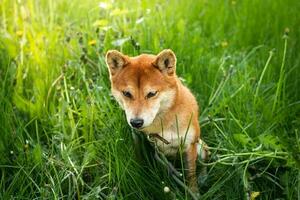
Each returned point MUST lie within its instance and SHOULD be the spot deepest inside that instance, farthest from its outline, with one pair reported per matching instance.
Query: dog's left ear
(166, 62)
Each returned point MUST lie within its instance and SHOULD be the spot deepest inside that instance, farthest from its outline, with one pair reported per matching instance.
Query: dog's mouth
(139, 129)
(146, 125)
(149, 127)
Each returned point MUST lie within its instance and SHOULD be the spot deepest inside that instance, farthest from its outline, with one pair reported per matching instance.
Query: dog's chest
(172, 141)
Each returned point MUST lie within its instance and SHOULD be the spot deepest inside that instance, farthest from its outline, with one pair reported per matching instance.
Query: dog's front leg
(191, 157)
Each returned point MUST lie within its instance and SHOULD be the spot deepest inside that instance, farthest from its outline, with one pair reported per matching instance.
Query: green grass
(64, 137)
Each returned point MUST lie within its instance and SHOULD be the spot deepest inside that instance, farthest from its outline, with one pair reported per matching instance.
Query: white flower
(104, 5)
(166, 189)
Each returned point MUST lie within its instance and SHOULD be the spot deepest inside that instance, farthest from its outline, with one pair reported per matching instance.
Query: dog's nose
(136, 123)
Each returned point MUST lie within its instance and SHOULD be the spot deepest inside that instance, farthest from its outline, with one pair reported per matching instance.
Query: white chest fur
(176, 139)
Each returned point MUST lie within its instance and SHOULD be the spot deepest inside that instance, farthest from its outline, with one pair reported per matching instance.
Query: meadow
(63, 136)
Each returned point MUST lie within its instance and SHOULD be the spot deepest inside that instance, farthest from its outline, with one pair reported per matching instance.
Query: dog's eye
(127, 94)
(151, 94)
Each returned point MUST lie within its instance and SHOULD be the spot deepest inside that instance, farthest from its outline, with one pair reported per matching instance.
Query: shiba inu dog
(156, 102)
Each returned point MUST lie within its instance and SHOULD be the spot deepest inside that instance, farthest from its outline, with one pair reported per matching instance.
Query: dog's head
(145, 86)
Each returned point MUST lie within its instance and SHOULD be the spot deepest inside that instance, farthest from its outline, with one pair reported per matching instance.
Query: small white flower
(140, 20)
(104, 5)
(166, 189)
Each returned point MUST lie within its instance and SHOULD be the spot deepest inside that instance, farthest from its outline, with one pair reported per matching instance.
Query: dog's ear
(166, 62)
(115, 61)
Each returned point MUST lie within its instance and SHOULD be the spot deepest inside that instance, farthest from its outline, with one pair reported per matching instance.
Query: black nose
(136, 123)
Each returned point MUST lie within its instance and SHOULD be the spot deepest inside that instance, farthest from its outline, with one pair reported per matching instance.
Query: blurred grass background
(64, 137)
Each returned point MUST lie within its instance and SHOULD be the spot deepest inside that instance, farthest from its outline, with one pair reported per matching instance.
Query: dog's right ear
(115, 61)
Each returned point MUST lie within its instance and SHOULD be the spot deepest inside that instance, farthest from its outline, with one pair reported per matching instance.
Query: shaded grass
(63, 136)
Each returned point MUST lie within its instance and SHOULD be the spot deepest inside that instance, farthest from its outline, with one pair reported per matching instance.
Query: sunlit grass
(64, 137)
